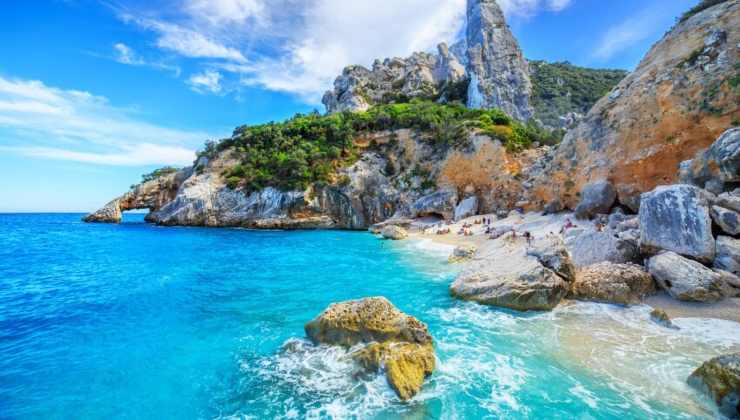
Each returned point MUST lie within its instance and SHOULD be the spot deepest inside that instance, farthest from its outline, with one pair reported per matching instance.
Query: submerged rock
(395, 233)
(676, 218)
(607, 282)
(685, 279)
(660, 317)
(398, 342)
(720, 379)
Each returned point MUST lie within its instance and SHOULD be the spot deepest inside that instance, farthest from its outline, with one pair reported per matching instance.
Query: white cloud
(44, 121)
(300, 46)
(530, 7)
(626, 34)
(127, 55)
(224, 11)
(186, 42)
(209, 80)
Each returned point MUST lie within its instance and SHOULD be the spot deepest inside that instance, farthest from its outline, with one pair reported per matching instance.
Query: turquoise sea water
(138, 321)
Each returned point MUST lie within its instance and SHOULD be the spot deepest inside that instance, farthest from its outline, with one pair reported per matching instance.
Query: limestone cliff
(495, 74)
(499, 75)
(399, 174)
(680, 98)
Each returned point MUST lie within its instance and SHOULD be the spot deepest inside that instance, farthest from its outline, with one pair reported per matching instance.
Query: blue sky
(95, 93)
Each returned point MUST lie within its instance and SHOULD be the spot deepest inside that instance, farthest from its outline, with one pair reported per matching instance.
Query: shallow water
(138, 321)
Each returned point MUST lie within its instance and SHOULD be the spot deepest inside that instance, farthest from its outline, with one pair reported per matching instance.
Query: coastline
(540, 225)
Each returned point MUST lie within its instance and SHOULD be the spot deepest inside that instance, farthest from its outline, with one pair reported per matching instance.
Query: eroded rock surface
(395, 341)
(395, 233)
(676, 218)
(720, 379)
(504, 274)
(685, 279)
(677, 102)
(612, 283)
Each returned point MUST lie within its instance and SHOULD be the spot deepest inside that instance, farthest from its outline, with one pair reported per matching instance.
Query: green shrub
(560, 88)
(705, 4)
(307, 149)
(158, 173)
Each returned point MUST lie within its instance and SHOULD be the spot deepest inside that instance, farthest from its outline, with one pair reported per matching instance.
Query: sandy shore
(539, 226)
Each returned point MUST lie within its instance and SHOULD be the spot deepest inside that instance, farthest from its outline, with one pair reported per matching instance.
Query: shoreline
(540, 225)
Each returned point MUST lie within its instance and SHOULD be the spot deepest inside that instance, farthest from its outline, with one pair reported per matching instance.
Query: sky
(95, 93)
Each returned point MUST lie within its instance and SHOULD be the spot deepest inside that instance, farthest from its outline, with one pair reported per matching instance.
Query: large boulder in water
(399, 342)
(676, 218)
(720, 379)
(596, 198)
(685, 279)
(606, 282)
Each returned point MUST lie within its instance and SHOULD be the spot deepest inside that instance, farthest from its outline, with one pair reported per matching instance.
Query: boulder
(395, 233)
(729, 200)
(588, 247)
(660, 317)
(607, 282)
(728, 254)
(462, 253)
(719, 164)
(727, 220)
(399, 342)
(532, 287)
(551, 253)
(676, 218)
(596, 198)
(685, 279)
(441, 203)
(466, 208)
(720, 379)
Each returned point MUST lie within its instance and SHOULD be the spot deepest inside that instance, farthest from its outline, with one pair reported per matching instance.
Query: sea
(136, 321)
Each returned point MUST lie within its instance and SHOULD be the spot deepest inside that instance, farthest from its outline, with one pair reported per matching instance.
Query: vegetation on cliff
(307, 149)
(560, 88)
(703, 5)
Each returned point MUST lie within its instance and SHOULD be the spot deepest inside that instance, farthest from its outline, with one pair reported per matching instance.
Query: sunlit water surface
(139, 321)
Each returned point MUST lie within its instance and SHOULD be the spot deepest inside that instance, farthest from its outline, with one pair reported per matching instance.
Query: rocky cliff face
(495, 74)
(400, 174)
(422, 75)
(683, 95)
(499, 75)
(680, 98)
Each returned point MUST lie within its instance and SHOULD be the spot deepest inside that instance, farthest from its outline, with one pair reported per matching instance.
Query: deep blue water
(139, 321)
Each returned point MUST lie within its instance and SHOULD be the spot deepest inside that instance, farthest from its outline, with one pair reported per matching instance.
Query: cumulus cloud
(208, 81)
(44, 121)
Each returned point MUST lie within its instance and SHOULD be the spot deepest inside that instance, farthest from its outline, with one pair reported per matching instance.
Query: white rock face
(499, 74)
(466, 208)
(489, 58)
